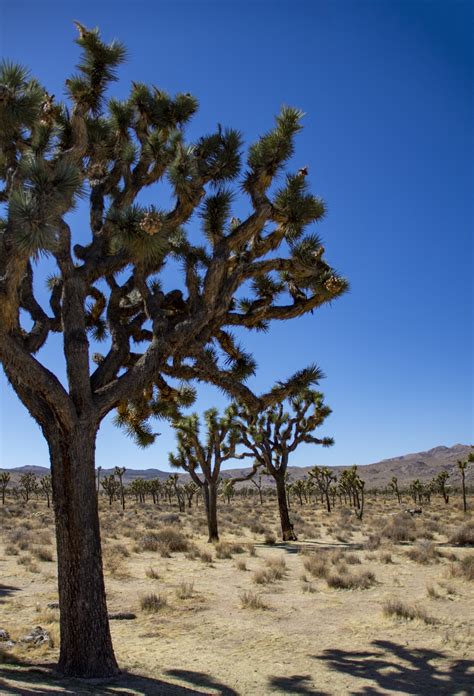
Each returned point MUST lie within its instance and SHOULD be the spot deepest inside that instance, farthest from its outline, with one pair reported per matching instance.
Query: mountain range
(420, 465)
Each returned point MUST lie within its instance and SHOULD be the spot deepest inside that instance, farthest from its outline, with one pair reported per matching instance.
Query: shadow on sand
(400, 670)
(22, 679)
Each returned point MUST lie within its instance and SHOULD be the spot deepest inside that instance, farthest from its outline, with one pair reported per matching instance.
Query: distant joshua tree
(440, 485)
(119, 472)
(393, 485)
(47, 487)
(206, 456)
(324, 477)
(462, 466)
(27, 485)
(274, 434)
(4, 481)
(111, 486)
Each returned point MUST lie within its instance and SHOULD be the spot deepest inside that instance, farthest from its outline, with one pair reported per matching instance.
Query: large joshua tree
(274, 434)
(105, 283)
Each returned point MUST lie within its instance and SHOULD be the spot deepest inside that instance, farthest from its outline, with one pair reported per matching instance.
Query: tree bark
(85, 645)
(286, 527)
(210, 500)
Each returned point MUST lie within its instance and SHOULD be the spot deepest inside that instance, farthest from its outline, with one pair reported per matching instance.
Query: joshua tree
(178, 490)
(47, 487)
(228, 489)
(299, 488)
(105, 281)
(439, 484)
(394, 487)
(4, 481)
(99, 469)
(323, 477)
(140, 487)
(190, 490)
(193, 454)
(119, 472)
(111, 486)
(462, 465)
(257, 482)
(275, 433)
(27, 485)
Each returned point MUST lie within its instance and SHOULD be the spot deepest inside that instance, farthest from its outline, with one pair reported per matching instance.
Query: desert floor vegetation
(245, 616)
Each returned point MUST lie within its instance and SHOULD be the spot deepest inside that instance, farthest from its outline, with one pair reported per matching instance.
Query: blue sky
(387, 88)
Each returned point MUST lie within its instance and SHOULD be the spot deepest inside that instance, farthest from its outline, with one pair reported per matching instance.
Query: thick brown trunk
(85, 642)
(210, 499)
(287, 531)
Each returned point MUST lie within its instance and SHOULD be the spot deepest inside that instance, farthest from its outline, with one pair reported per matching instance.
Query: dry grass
(251, 600)
(152, 603)
(408, 612)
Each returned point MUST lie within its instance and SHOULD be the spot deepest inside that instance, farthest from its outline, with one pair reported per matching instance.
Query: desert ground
(379, 606)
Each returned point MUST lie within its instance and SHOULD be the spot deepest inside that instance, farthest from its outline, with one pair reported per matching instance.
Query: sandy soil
(309, 639)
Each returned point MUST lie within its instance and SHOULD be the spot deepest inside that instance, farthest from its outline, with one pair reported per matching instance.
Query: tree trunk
(210, 500)
(464, 502)
(85, 645)
(287, 532)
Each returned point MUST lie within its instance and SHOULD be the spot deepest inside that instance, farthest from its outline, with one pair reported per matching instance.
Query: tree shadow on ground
(6, 590)
(398, 669)
(23, 679)
(296, 684)
(297, 547)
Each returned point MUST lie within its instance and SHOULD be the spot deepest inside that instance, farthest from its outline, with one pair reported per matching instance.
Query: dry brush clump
(401, 610)
(463, 568)
(344, 580)
(424, 552)
(463, 535)
(251, 600)
(152, 603)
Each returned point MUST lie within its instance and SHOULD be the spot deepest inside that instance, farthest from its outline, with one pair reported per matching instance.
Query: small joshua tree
(439, 484)
(106, 282)
(4, 481)
(47, 488)
(324, 477)
(462, 466)
(27, 485)
(119, 472)
(273, 435)
(207, 456)
(393, 485)
(111, 486)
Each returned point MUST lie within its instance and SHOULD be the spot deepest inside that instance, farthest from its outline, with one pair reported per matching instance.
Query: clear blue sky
(387, 88)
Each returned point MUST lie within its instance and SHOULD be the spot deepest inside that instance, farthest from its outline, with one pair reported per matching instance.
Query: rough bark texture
(287, 531)
(210, 499)
(86, 645)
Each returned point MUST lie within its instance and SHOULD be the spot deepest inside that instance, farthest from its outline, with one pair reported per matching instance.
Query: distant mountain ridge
(421, 465)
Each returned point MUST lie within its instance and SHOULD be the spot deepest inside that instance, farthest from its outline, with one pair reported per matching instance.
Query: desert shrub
(152, 573)
(206, 557)
(170, 518)
(402, 610)
(11, 550)
(226, 549)
(185, 590)
(349, 581)
(401, 527)
(317, 567)
(251, 600)
(386, 557)
(432, 592)
(464, 568)
(257, 528)
(373, 542)
(352, 559)
(464, 535)
(173, 538)
(241, 565)
(423, 552)
(151, 603)
(149, 542)
(269, 538)
(42, 554)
